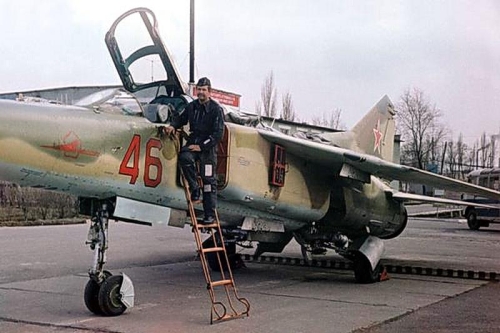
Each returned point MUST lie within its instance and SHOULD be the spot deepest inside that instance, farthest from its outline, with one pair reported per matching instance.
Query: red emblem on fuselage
(71, 146)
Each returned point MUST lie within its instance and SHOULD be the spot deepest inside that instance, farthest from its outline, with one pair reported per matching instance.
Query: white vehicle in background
(478, 216)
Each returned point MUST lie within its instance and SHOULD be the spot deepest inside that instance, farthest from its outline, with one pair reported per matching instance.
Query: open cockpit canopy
(139, 55)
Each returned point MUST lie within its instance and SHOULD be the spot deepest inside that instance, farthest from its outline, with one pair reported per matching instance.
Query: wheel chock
(384, 276)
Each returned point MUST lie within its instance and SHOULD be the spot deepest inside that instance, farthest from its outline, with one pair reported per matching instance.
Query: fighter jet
(109, 151)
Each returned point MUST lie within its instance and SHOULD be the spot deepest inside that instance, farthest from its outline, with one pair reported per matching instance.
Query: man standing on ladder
(206, 126)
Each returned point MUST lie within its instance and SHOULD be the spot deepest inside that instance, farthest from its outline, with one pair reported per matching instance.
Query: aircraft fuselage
(102, 155)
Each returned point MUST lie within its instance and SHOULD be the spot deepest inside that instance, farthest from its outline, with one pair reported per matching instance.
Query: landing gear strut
(105, 294)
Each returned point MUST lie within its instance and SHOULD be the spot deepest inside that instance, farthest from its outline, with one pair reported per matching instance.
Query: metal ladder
(219, 310)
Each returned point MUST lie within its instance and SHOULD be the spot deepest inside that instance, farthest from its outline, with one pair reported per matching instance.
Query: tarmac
(44, 273)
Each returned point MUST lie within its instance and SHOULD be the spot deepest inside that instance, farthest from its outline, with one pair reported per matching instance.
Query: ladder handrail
(227, 280)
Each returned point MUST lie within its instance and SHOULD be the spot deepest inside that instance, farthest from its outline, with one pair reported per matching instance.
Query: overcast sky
(327, 54)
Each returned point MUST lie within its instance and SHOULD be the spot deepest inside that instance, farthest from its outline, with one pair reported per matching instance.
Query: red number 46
(130, 162)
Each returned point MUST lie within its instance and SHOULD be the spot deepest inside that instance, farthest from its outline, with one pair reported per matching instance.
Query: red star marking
(378, 137)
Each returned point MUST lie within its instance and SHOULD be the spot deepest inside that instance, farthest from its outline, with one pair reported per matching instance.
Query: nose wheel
(110, 298)
(91, 295)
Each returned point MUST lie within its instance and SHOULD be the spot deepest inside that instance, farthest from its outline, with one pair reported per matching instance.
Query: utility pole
(191, 43)
(442, 158)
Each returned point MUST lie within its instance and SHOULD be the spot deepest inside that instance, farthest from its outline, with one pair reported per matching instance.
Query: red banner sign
(223, 97)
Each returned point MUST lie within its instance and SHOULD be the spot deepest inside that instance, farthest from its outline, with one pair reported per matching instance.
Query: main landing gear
(105, 294)
(364, 252)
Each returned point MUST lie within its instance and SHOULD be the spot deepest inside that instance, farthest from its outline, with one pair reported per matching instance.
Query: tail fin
(374, 133)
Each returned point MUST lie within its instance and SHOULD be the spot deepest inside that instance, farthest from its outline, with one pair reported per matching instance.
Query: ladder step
(221, 283)
(212, 225)
(219, 309)
(212, 249)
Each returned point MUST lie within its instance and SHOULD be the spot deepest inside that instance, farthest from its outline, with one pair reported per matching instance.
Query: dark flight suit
(206, 125)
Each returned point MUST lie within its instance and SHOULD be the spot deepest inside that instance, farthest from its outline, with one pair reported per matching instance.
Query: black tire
(110, 298)
(306, 255)
(363, 272)
(472, 220)
(91, 295)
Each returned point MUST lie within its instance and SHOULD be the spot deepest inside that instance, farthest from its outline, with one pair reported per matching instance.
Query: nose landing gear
(105, 294)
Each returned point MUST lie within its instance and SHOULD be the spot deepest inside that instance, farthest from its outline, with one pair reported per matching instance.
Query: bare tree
(474, 153)
(287, 111)
(461, 156)
(435, 143)
(455, 156)
(493, 149)
(331, 119)
(268, 94)
(420, 129)
(258, 108)
(483, 150)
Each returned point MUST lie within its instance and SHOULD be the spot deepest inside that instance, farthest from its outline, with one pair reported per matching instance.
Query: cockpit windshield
(117, 101)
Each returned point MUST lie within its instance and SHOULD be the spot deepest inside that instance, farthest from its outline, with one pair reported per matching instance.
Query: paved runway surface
(43, 273)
